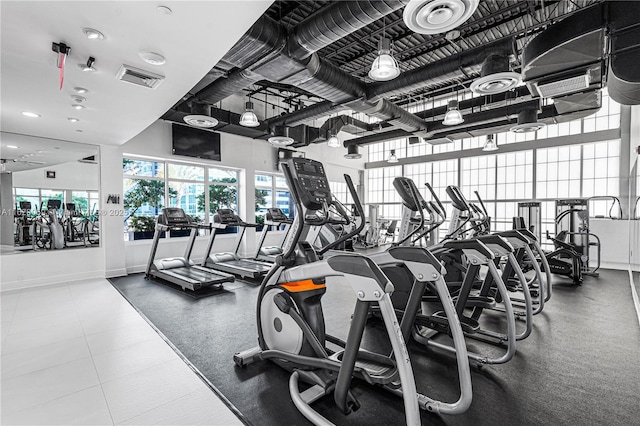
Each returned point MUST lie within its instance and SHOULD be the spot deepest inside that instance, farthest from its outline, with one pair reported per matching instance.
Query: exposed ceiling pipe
(266, 51)
(336, 21)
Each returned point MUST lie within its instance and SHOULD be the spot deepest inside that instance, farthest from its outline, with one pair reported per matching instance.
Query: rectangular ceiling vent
(88, 160)
(439, 141)
(562, 87)
(140, 77)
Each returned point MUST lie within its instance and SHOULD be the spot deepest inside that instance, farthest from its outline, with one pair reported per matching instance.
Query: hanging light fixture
(333, 141)
(352, 152)
(384, 67)
(248, 117)
(392, 157)
(453, 115)
(490, 144)
(280, 136)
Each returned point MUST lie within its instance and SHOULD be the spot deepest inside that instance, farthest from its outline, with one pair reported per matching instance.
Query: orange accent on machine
(304, 285)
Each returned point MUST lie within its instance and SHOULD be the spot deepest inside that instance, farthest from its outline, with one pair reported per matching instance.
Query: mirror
(634, 215)
(50, 194)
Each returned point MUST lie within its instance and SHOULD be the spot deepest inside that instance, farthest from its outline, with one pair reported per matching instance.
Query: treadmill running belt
(247, 264)
(199, 275)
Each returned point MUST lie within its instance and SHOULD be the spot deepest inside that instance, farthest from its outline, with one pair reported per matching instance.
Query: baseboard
(614, 265)
(50, 280)
(112, 273)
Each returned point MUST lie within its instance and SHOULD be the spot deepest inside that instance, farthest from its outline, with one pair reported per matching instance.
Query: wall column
(112, 214)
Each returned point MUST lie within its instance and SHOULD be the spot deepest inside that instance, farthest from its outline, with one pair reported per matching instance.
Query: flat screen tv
(192, 142)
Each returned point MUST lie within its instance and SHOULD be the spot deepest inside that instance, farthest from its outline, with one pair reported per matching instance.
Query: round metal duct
(495, 76)
(352, 152)
(280, 136)
(527, 122)
(437, 16)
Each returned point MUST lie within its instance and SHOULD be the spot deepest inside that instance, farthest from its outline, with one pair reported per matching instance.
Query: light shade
(392, 157)
(249, 118)
(197, 120)
(490, 144)
(280, 136)
(384, 67)
(352, 153)
(333, 141)
(453, 115)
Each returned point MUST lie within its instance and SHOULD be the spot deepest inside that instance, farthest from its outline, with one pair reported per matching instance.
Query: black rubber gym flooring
(580, 366)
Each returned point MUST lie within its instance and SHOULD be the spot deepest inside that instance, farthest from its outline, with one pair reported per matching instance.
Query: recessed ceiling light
(164, 10)
(92, 34)
(78, 99)
(12, 146)
(153, 58)
(80, 90)
(77, 106)
(79, 130)
(73, 119)
(30, 114)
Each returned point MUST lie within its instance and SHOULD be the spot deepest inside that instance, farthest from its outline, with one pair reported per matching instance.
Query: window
(151, 185)
(558, 172)
(381, 191)
(601, 174)
(608, 117)
(266, 186)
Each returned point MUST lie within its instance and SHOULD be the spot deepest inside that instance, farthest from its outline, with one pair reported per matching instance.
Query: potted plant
(143, 227)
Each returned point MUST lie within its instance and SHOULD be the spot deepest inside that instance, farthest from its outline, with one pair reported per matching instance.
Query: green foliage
(82, 204)
(220, 196)
(261, 198)
(145, 191)
(143, 223)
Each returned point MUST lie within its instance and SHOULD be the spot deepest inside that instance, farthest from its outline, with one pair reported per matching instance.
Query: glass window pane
(223, 175)
(186, 172)
(134, 167)
(264, 180)
(189, 197)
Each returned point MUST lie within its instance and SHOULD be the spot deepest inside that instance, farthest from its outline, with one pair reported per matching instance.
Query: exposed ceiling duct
(527, 122)
(496, 76)
(623, 75)
(266, 52)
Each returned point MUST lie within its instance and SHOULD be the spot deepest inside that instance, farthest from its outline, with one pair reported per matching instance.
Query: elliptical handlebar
(442, 212)
(359, 211)
(299, 219)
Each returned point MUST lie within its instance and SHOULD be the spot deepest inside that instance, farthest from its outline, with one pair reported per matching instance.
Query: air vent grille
(139, 77)
(563, 87)
(439, 141)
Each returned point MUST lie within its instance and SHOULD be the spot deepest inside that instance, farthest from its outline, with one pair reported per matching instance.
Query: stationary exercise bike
(291, 327)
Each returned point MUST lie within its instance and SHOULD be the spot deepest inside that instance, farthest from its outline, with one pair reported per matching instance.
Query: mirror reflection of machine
(46, 229)
(23, 220)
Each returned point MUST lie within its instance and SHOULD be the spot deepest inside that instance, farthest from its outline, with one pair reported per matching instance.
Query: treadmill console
(173, 216)
(403, 187)
(226, 216)
(276, 215)
(311, 182)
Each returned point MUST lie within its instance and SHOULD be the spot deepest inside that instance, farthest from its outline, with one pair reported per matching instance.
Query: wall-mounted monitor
(192, 142)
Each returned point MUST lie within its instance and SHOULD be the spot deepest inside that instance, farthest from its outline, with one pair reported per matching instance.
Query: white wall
(72, 176)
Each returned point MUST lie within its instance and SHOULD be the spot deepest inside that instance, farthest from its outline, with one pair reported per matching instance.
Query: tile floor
(78, 353)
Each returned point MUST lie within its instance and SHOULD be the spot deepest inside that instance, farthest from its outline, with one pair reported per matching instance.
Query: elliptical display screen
(311, 182)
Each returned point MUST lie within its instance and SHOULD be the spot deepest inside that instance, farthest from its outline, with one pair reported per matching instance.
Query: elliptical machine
(291, 327)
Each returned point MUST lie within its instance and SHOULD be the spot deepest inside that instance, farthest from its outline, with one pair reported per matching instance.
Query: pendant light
(453, 115)
(248, 117)
(352, 153)
(384, 67)
(392, 157)
(490, 144)
(333, 141)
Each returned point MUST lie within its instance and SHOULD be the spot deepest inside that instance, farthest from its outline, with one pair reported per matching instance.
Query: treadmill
(231, 262)
(273, 219)
(181, 270)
